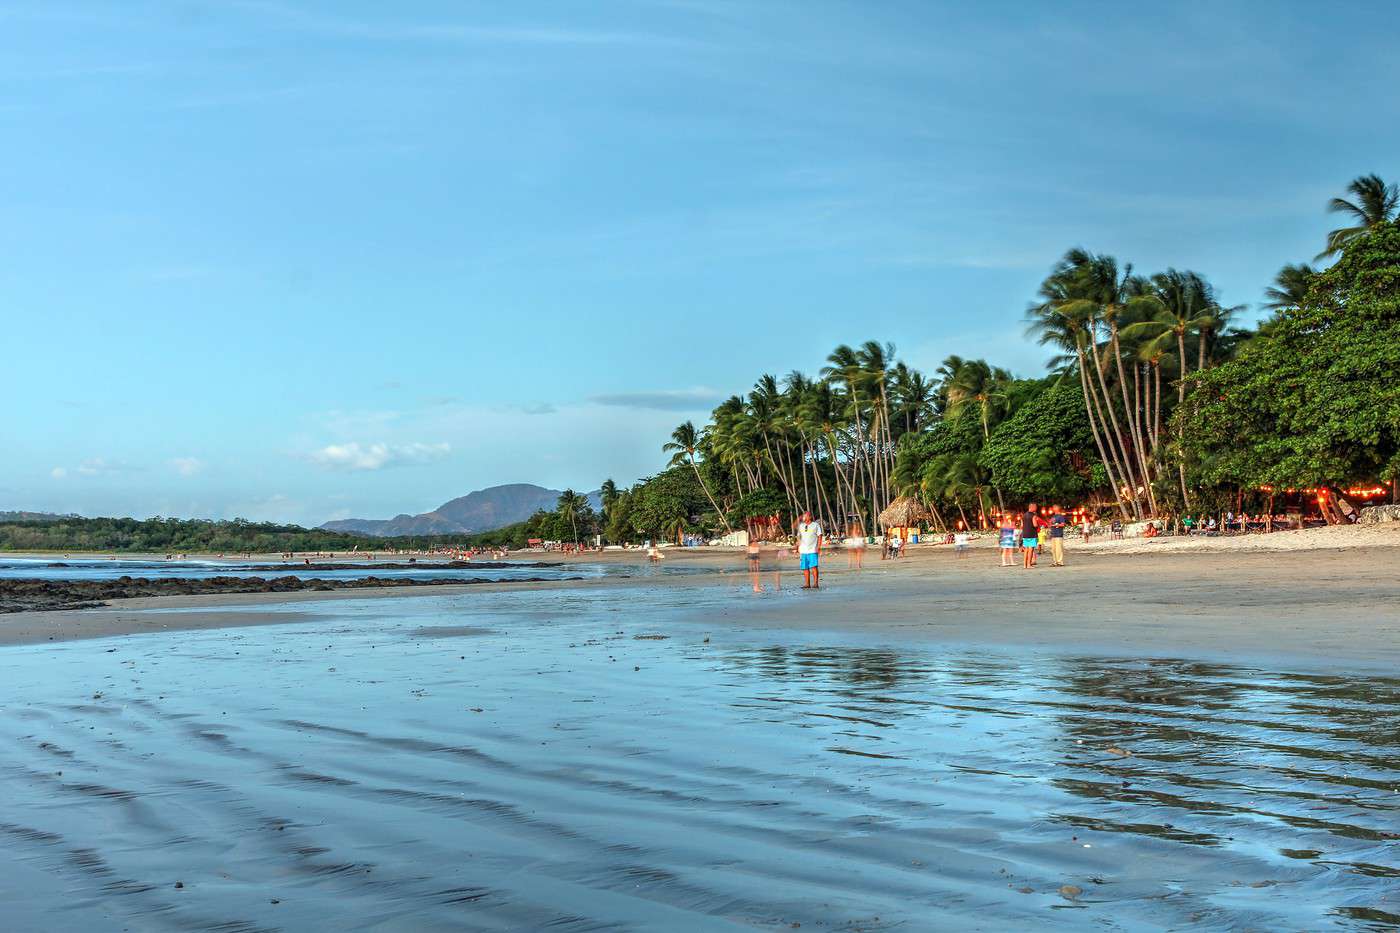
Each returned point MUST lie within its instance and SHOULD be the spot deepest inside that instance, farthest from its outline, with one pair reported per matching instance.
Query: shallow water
(105, 569)
(589, 760)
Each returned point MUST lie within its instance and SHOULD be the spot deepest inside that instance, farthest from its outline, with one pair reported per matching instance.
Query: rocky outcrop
(1378, 514)
(26, 595)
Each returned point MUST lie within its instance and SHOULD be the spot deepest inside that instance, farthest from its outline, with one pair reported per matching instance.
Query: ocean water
(107, 569)
(654, 758)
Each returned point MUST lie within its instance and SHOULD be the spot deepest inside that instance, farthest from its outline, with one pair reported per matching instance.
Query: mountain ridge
(482, 510)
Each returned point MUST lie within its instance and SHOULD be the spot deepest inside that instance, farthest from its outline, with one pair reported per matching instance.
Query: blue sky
(303, 260)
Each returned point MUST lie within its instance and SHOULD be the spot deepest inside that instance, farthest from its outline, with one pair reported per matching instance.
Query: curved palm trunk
(840, 475)
(1089, 407)
(986, 436)
(1130, 411)
(1124, 463)
(1140, 431)
(778, 469)
(1181, 405)
(706, 489)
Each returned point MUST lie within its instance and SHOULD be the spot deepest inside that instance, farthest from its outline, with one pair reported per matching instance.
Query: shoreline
(1315, 608)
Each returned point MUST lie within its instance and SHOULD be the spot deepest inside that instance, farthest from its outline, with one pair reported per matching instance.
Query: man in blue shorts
(1030, 536)
(809, 549)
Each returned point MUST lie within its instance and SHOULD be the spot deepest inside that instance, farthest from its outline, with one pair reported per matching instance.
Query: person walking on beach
(1007, 539)
(1030, 537)
(1058, 523)
(855, 548)
(809, 549)
(754, 559)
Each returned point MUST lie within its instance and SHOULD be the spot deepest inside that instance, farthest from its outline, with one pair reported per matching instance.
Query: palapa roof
(904, 512)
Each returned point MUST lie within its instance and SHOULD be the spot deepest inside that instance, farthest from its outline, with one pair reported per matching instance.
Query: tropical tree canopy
(1317, 400)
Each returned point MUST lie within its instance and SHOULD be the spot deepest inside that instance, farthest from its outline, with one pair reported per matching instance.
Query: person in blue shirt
(1059, 521)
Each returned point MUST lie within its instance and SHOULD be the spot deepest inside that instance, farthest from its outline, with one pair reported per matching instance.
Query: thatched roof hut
(904, 512)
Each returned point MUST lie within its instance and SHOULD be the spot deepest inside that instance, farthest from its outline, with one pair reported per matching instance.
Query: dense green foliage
(1045, 451)
(1317, 400)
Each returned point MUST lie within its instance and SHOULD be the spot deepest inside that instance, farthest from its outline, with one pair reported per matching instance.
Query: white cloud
(355, 456)
(58, 472)
(187, 466)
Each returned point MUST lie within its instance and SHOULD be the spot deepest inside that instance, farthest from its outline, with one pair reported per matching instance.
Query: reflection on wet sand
(526, 760)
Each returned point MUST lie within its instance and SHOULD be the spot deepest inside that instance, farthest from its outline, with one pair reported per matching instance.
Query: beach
(1247, 597)
(1133, 740)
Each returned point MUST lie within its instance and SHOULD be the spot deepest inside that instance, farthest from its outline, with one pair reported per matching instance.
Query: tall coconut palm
(914, 396)
(1108, 295)
(1215, 322)
(846, 369)
(571, 505)
(1187, 305)
(682, 446)
(1055, 321)
(1290, 287)
(608, 493)
(1375, 203)
(982, 389)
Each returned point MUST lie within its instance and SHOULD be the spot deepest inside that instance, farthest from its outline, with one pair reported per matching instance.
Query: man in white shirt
(809, 549)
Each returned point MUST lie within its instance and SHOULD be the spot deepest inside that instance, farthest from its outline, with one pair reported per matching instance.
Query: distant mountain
(483, 510)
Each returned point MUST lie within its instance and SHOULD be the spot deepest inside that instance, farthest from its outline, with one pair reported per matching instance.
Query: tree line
(1157, 402)
(172, 535)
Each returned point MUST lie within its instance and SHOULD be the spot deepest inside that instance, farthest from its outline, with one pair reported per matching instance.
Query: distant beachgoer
(855, 548)
(653, 553)
(960, 544)
(754, 560)
(1006, 534)
(1030, 536)
(1058, 523)
(809, 549)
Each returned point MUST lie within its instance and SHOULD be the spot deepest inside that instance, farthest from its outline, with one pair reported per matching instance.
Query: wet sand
(1310, 608)
(1129, 743)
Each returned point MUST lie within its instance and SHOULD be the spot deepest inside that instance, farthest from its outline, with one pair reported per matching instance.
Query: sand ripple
(554, 770)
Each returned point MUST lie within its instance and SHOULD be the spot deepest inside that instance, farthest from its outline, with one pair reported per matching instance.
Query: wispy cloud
(699, 398)
(384, 31)
(357, 457)
(187, 466)
(93, 466)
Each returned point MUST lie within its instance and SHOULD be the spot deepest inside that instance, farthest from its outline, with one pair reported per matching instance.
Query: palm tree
(1105, 295)
(683, 444)
(981, 387)
(1214, 322)
(608, 493)
(953, 476)
(570, 506)
(1290, 287)
(1187, 306)
(1089, 289)
(1069, 331)
(914, 396)
(1376, 203)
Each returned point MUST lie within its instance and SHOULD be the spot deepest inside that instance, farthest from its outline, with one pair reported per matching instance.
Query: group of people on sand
(1030, 531)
